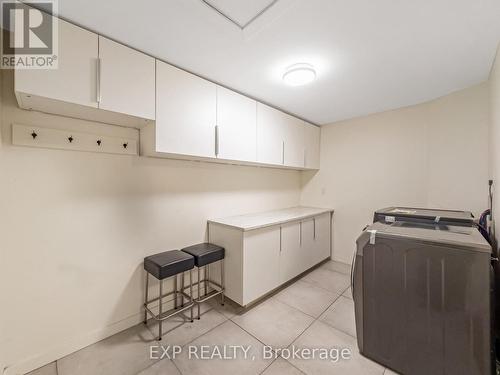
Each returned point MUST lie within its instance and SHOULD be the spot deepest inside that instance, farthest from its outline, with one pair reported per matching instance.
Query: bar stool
(204, 255)
(162, 266)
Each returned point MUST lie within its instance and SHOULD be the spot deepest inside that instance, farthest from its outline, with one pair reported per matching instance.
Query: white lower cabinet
(290, 253)
(322, 237)
(261, 259)
(258, 261)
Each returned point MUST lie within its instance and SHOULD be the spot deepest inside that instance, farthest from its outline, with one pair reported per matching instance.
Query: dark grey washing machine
(422, 298)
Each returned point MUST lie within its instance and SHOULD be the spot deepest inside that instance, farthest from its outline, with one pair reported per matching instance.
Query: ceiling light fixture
(299, 74)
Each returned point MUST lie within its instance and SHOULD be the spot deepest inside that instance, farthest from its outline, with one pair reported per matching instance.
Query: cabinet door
(261, 262)
(291, 258)
(236, 126)
(293, 141)
(312, 144)
(271, 126)
(127, 80)
(322, 236)
(185, 112)
(308, 244)
(75, 79)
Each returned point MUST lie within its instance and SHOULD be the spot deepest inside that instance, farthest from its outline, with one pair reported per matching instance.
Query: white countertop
(269, 218)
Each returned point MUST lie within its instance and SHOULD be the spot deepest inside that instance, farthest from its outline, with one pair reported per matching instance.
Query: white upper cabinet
(180, 114)
(271, 125)
(280, 138)
(312, 146)
(126, 80)
(185, 113)
(236, 126)
(75, 79)
(293, 137)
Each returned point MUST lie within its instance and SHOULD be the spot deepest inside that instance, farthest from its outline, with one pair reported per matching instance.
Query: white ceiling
(370, 55)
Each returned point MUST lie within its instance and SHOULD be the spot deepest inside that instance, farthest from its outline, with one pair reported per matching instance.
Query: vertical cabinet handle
(314, 228)
(283, 152)
(216, 140)
(98, 80)
(300, 234)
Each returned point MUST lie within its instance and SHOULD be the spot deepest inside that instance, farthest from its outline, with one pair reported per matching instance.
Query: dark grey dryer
(422, 298)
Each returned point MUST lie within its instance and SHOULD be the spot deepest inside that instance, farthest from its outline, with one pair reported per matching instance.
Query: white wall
(74, 228)
(430, 155)
(495, 139)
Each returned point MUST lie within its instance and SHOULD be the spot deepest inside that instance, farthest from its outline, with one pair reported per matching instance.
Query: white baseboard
(59, 351)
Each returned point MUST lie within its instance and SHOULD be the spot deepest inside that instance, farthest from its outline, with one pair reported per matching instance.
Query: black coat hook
(70, 139)
(125, 145)
(99, 142)
(34, 135)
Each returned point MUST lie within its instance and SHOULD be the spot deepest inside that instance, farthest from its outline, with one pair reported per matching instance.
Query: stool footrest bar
(168, 314)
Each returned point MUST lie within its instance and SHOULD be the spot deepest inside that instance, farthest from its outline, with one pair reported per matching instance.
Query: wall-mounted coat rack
(33, 136)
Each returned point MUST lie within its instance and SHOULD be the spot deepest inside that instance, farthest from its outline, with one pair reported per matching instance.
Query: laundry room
(258, 187)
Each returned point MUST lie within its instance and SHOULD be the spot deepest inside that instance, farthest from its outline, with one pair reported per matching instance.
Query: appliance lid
(428, 214)
(437, 234)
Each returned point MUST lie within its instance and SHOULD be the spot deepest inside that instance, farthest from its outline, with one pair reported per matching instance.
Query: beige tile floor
(313, 312)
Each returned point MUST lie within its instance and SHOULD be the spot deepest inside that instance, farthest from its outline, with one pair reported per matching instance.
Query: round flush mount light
(299, 74)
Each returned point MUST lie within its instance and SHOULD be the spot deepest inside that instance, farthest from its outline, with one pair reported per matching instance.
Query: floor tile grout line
(319, 286)
(314, 321)
(269, 365)
(178, 369)
(309, 326)
(312, 316)
(251, 334)
(291, 364)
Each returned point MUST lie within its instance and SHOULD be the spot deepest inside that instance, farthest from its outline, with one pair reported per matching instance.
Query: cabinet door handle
(98, 80)
(314, 228)
(216, 140)
(300, 234)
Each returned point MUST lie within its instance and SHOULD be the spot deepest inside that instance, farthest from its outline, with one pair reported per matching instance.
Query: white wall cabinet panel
(271, 126)
(75, 79)
(261, 262)
(185, 113)
(237, 126)
(293, 137)
(312, 146)
(126, 80)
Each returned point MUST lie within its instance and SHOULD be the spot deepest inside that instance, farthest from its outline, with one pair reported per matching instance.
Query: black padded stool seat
(168, 263)
(205, 253)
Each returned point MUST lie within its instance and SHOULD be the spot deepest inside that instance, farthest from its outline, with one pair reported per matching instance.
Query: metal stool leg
(222, 281)
(160, 323)
(175, 291)
(182, 290)
(199, 293)
(207, 275)
(191, 292)
(146, 299)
